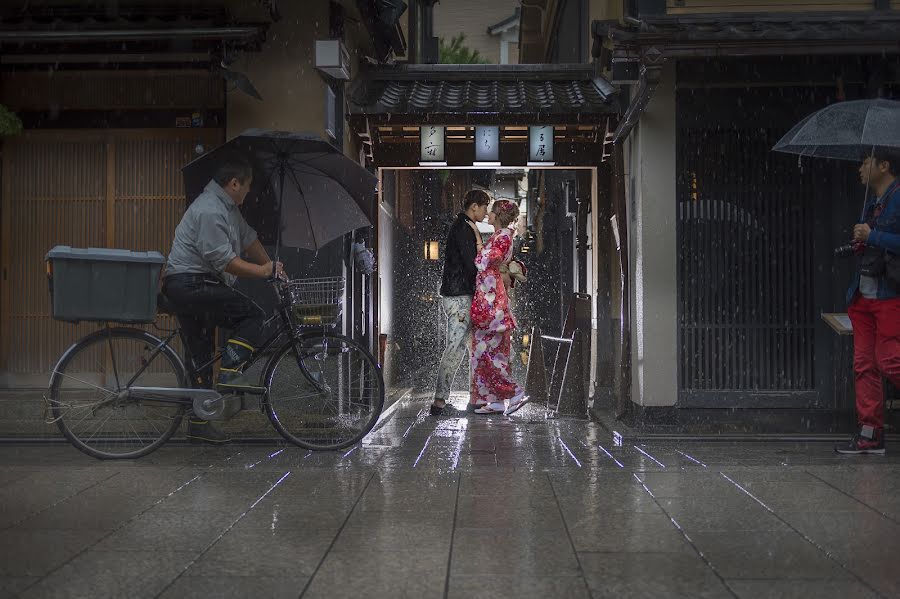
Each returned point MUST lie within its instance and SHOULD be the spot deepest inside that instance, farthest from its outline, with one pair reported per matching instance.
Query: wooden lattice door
(84, 189)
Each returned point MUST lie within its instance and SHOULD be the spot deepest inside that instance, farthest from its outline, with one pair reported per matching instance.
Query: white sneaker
(516, 402)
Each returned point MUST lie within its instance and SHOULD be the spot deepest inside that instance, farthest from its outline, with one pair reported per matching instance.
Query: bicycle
(121, 392)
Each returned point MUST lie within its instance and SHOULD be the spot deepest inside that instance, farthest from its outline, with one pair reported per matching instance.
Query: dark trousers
(202, 304)
(876, 352)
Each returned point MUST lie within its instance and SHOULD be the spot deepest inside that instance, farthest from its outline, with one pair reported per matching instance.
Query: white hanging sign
(540, 144)
(487, 146)
(431, 138)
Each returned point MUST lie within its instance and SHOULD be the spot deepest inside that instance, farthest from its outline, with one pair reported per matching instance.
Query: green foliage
(456, 52)
(10, 123)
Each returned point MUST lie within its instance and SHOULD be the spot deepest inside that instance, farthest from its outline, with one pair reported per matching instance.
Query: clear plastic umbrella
(845, 130)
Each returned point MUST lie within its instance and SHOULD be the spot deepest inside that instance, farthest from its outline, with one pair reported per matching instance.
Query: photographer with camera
(874, 299)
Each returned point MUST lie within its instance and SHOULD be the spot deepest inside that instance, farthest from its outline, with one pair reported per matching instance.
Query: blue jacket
(885, 235)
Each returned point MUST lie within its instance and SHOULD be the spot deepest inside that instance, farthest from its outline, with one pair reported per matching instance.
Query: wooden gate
(114, 188)
(754, 255)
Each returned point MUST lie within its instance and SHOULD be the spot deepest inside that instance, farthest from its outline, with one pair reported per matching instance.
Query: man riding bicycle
(204, 263)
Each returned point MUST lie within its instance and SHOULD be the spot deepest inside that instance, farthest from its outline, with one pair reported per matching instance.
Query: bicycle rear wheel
(327, 397)
(86, 400)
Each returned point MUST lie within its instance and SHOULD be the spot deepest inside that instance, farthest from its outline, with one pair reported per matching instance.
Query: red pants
(876, 352)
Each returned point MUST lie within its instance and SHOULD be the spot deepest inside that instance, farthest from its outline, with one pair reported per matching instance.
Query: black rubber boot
(231, 376)
(202, 431)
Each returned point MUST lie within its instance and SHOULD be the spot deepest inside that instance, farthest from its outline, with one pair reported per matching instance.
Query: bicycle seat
(164, 305)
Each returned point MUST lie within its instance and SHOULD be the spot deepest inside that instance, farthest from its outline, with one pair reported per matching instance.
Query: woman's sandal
(516, 403)
(470, 408)
(491, 408)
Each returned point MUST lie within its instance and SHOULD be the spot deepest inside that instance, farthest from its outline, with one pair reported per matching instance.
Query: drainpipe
(649, 80)
(423, 46)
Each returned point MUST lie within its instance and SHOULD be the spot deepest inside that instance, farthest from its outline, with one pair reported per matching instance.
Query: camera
(846, 250)
(871, 259)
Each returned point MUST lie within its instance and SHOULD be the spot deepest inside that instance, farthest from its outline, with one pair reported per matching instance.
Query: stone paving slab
(462, 507)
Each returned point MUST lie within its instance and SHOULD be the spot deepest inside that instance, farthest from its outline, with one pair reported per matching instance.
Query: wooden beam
(6, 226)
(110, 193)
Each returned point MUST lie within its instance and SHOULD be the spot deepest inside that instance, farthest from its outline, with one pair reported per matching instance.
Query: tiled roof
(505, 89)
(62, 19)
(767, 27)
(72, 26)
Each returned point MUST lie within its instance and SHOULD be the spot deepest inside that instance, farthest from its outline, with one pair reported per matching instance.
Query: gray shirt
(868, 287)
(210, 235)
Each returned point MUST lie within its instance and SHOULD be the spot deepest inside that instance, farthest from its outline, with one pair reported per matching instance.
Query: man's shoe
(202, 431)
(235, 381)
(447, 411)
(867, 440)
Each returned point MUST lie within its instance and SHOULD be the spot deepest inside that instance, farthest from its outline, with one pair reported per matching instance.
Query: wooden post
(6, 225)
(536, 370)
(110, 201)
(110, 192)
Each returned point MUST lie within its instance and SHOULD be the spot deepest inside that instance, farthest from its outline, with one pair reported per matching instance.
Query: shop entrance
(563, 237)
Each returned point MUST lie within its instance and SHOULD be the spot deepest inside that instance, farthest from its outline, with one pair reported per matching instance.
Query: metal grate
(745, 264)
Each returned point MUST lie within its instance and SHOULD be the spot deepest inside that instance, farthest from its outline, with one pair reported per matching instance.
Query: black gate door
(754, 258)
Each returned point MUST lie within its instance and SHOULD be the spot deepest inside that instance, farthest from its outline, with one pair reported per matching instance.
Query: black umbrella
(845, 130)
(303, 187)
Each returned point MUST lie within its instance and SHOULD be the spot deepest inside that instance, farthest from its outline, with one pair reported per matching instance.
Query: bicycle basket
(317, 302)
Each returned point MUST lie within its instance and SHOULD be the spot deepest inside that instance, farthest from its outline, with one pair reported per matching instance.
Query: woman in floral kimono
(493, 391)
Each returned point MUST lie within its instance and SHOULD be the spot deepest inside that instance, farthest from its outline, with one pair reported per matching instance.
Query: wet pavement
(469, 507)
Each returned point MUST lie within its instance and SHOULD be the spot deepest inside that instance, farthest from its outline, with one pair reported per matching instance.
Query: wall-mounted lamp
(431, 250)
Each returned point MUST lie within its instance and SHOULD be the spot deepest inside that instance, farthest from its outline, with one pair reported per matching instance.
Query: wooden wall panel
(681, 7)
(58, 190)
(105, 90)
(53, 195)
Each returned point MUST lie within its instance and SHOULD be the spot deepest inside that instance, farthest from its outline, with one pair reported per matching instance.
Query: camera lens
(848, 249)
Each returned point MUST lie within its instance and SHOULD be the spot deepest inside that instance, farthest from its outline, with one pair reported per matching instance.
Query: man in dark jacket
(874, 298)
(457, 289)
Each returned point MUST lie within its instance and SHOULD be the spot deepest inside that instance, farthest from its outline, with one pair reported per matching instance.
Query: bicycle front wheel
(325, 391)
(88, 400)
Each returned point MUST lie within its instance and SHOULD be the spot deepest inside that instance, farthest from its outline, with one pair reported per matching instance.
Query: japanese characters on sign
(487, 144)
(540, 143)
(431, 138)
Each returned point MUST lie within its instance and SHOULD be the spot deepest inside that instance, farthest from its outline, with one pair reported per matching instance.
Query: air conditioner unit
(333, 59)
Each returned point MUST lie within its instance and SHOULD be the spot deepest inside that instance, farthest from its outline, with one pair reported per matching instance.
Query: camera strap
(882, 203)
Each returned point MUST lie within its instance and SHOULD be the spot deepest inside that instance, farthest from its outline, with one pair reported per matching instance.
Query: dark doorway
(756, 230)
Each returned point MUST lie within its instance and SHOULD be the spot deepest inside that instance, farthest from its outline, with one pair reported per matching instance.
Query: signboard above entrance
(487, 146)
(540, 145)
(432, 146)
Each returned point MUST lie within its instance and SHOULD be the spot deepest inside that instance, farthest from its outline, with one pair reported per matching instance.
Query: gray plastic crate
(106, 285)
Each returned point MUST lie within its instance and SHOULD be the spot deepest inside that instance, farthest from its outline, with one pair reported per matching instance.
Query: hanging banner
(431, 138)
(540, 144)
(487, 146)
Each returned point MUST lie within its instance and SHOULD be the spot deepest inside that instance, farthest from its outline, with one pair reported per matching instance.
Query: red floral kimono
(492, 324)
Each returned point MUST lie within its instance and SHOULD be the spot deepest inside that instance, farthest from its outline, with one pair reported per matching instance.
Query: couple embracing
(474, 295)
